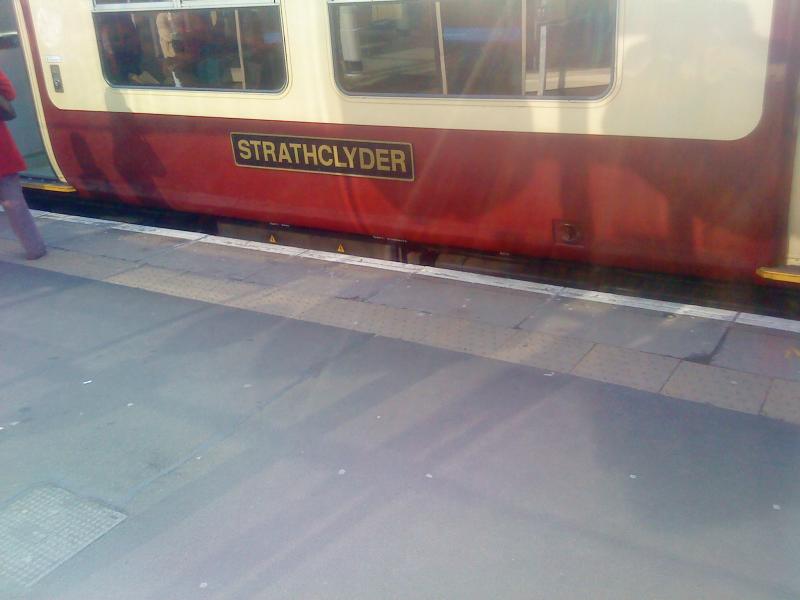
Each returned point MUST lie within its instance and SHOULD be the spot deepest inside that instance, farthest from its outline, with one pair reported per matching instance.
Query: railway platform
(190, 416)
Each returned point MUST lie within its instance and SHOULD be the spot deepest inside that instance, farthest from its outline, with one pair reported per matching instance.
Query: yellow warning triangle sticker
(340, 249)
(273, 239)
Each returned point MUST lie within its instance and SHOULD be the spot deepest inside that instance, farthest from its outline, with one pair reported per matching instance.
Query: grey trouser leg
(19, 217)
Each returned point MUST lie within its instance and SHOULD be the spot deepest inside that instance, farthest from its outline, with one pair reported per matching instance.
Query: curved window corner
(203, 49)
(555, 49)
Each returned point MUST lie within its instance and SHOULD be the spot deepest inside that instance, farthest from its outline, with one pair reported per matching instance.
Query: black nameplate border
(355, 158)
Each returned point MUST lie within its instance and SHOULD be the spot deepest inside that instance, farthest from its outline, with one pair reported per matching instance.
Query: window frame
(116, 7)
(613, 67)
(175, 5)
(187, 5)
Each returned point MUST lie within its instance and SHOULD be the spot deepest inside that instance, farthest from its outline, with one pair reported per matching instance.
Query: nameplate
(356, 158)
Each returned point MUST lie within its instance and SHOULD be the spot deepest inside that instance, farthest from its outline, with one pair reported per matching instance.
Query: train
(656, 135)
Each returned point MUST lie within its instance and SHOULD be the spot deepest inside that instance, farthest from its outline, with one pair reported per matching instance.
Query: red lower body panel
(696, 207)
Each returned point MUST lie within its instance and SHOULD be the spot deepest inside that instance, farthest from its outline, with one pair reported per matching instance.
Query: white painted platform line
(250, 245)
(511, 284)
(691, 310)
(173, 233)
(73, 218)
(374, 263)
(674, 308)
(768, 322)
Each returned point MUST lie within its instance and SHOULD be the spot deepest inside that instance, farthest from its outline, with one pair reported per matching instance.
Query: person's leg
(19, 217)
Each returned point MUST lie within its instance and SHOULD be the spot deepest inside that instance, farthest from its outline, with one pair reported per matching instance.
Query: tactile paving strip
(639, 370)
(734, 390)
(783, 401)
(43, 529)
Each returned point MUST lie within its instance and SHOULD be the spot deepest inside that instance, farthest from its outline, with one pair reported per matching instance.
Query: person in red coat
(11, 198)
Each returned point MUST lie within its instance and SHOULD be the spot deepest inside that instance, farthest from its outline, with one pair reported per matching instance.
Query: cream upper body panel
(692, 69)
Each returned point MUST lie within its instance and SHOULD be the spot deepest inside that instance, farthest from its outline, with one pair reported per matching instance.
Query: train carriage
(656, 135)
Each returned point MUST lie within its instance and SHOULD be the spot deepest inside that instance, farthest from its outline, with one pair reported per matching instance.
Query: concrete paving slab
(211, 260)
(56, 232)
(638, 329)
(783, 401)
(465, 301)
(721, 387)
(543, 351)
(348, 281)
(277, 302)
(630, 368)
(81, 265)
(124, 245)
(183, 285)
(760, 351)
(280, 270)
(52, 231)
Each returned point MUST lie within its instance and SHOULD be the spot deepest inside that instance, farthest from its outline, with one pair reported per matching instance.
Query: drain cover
(45, 527)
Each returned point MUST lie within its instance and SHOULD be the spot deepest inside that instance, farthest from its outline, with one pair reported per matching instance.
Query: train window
(570, 47)
(226, 48)
(481, 41)
(387, 47)
(493, 48)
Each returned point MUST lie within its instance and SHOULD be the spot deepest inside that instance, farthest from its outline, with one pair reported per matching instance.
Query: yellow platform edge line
(784, 274)
(63, 188)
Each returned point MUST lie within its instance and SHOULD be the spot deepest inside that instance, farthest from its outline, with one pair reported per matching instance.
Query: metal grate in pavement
(44, 528)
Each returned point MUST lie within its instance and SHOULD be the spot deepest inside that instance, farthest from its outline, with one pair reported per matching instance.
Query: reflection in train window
(481, 40)
(500, 48)
(570, 47)
(387, 47)
(233, 49)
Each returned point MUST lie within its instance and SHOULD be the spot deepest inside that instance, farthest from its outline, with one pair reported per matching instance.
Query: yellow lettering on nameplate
(355, 158)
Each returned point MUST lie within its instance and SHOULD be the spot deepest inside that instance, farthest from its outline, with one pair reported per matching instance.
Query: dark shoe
(37, 254)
